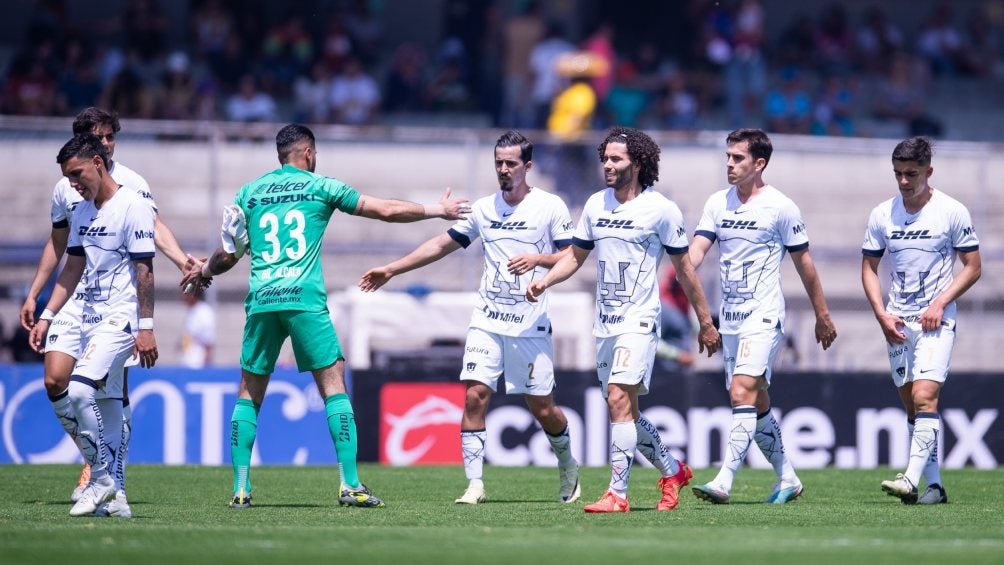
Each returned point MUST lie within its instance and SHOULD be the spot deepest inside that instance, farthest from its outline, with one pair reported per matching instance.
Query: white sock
(623, 441)
(111, 415)
(740, 439)
(768, 439)
(126, 436)
(89, 422)
(932, 471)
(651, 447)
(472, 444)
(925, 442)
(561, 445)
(67, 418)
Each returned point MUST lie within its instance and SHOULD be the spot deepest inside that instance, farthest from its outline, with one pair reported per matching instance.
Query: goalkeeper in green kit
(279, 220)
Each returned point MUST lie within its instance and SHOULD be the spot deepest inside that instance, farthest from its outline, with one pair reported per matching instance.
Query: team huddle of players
(101, 310)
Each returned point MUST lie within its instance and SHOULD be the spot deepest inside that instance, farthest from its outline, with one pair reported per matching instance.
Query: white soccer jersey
(922, 248)
(65, 199)
(539, 224)
(753, 238)
(111, 238)
(629, 240)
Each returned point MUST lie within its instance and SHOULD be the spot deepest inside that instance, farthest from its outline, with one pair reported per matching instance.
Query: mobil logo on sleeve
(420, 423)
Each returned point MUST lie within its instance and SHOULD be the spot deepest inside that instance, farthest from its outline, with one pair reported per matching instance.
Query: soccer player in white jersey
(63, 348)
(923, 230)
(523, 229)
(755, 225)
(110, 252)
(630, 225)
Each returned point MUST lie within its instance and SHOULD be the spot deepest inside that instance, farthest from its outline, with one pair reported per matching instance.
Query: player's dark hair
(641, 149)
(83, 145)
(759, 144)
(513, 138)
(288, 138)
(914, 149)
(89, 118)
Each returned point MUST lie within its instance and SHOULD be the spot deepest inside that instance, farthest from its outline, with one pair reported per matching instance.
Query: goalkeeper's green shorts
(315, 343)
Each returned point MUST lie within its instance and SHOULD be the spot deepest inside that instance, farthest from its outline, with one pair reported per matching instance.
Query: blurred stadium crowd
(682, 65)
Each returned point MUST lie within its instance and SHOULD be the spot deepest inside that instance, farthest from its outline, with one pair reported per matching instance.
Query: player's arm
(401, 211)
(525, 263)
(168, 244)
(146, 343)
(52, 253)
(707, 337)
(873, 292)
(200, 274)
(698, 249)
(826, 331)
(972, 268)
(65, 284)
(561, 271)
(429, 252)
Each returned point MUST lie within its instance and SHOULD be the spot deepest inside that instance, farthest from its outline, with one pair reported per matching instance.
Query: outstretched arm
(52, 252)
(168, 244)
(826, 332)
(402, 211)
(200, 274)
(429, 252)
(707, 337)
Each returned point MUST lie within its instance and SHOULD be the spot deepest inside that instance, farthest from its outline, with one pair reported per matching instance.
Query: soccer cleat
(933, 494)
(609, 502)
(94, 495)
(360, 497)
(117, 507)
(570, 490)
(85, 477)
(475, 494)
(711, 494)
(671, 487)
(901, 487)
(241, 499)
(784, 495)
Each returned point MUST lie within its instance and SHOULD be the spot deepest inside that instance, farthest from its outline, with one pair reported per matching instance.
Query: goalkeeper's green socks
(342, 426)
(243, 429)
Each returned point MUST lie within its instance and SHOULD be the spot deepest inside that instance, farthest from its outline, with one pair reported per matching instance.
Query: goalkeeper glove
(234, 232)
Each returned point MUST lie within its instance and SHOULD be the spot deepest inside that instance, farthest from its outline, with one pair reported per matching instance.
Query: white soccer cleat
(117, 507)
(98, 492)
(77, 491)
(901, 487)
(475, 494)
(570, 490)
(85, 478)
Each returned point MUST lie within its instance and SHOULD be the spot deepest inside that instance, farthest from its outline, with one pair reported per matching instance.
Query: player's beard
(621, 179)
(506, 185)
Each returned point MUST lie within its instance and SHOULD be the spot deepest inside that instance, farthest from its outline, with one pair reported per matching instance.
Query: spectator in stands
(406, 81)
(834, 111)
(876, 42)
(366, 31)
(900, 96)
(128, 94)
(833, 41)
(520, 34)
(250, 104)
(547, 83)
(940, 42)
(312, 95)
(355, 96)
(679, 107)
(176, 95)
(628, 100)
(287, 52)
(447, 89)
(746, 71)
(600, 45)
(980, 54)
(788, 107)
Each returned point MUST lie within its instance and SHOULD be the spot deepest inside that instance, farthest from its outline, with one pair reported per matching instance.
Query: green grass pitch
(181, 516)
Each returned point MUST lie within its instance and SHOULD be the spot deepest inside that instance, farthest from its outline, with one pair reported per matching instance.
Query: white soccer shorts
(626, 359)
(924, 355)
(64, 336)
(751, 353)
(107, 347)
(526, 362)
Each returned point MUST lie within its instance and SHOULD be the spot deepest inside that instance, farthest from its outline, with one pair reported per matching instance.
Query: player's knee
(55, 383)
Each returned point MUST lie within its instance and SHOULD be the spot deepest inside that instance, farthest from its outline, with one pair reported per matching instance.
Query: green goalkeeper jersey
(287, 212)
